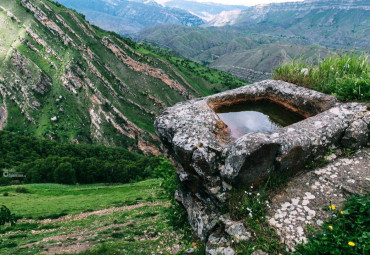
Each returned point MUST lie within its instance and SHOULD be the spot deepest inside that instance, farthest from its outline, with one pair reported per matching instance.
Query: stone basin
(210, 161)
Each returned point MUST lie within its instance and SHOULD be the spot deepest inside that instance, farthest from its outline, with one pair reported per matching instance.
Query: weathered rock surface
(303, 200)
(210, 163)
(201, 218)
(218, 245)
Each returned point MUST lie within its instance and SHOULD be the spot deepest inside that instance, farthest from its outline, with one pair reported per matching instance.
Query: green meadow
(58, 219)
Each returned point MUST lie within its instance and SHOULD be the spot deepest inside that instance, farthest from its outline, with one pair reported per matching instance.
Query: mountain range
(251, 43)
(64, 79)
(207, 11)
(129, 16)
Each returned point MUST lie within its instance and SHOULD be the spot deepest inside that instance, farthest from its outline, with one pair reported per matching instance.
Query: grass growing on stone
(347, 232)
(118, 219)
(250, 206)
(346, 77)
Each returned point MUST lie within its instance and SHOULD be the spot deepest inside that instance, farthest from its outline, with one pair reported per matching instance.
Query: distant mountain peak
(130, 16)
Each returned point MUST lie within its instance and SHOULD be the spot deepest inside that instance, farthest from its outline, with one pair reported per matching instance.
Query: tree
(65, 174)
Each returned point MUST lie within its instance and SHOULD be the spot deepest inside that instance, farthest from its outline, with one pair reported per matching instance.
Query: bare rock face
(201, 218)
(210, 162)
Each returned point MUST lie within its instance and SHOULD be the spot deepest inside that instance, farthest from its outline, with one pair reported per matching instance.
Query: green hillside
(66, 80)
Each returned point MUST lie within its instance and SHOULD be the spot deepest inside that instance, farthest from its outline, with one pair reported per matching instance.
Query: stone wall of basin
(210, 163)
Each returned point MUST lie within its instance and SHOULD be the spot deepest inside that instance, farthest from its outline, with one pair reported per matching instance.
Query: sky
(240, 2)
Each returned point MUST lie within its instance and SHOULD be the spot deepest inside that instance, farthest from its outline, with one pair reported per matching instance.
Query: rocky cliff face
(211, 164)
(64, 79)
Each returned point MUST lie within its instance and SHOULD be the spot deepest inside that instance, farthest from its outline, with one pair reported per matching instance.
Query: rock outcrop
(210, 162)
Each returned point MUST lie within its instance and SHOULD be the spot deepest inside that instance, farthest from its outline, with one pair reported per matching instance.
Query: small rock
(259, 252)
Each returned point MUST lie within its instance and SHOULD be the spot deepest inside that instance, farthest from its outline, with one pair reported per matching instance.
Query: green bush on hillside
(346, 77)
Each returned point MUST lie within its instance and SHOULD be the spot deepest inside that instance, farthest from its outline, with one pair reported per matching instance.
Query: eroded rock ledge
(210, 163)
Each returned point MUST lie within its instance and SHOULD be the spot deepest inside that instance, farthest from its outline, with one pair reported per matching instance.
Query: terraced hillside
(64, 79)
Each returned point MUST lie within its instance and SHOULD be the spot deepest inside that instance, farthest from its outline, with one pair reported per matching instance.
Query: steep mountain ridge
(64, 79)
(130, 16)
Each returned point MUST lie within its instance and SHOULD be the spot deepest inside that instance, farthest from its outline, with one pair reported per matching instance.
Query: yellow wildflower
(341, 212)
(331, 227)
(351, 244)
(332, 207)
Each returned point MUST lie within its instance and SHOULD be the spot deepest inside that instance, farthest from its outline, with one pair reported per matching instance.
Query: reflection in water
(256, 116)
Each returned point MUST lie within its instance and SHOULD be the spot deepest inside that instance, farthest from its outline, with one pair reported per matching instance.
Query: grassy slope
(137, 226)
(107, 80)
(346, 77)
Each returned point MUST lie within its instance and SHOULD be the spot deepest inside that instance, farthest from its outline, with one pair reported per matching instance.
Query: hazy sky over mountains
(240, 2)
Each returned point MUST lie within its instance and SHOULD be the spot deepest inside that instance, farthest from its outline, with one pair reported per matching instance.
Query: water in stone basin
(256, 116)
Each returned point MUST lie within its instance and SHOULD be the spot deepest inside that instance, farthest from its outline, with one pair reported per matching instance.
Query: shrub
(21, 190)
(15, 182)
(6, 216)
(347, 232)
(5, 194)
(346, 77)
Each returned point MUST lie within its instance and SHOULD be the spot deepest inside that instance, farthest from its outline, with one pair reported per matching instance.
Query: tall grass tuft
(346, 77)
